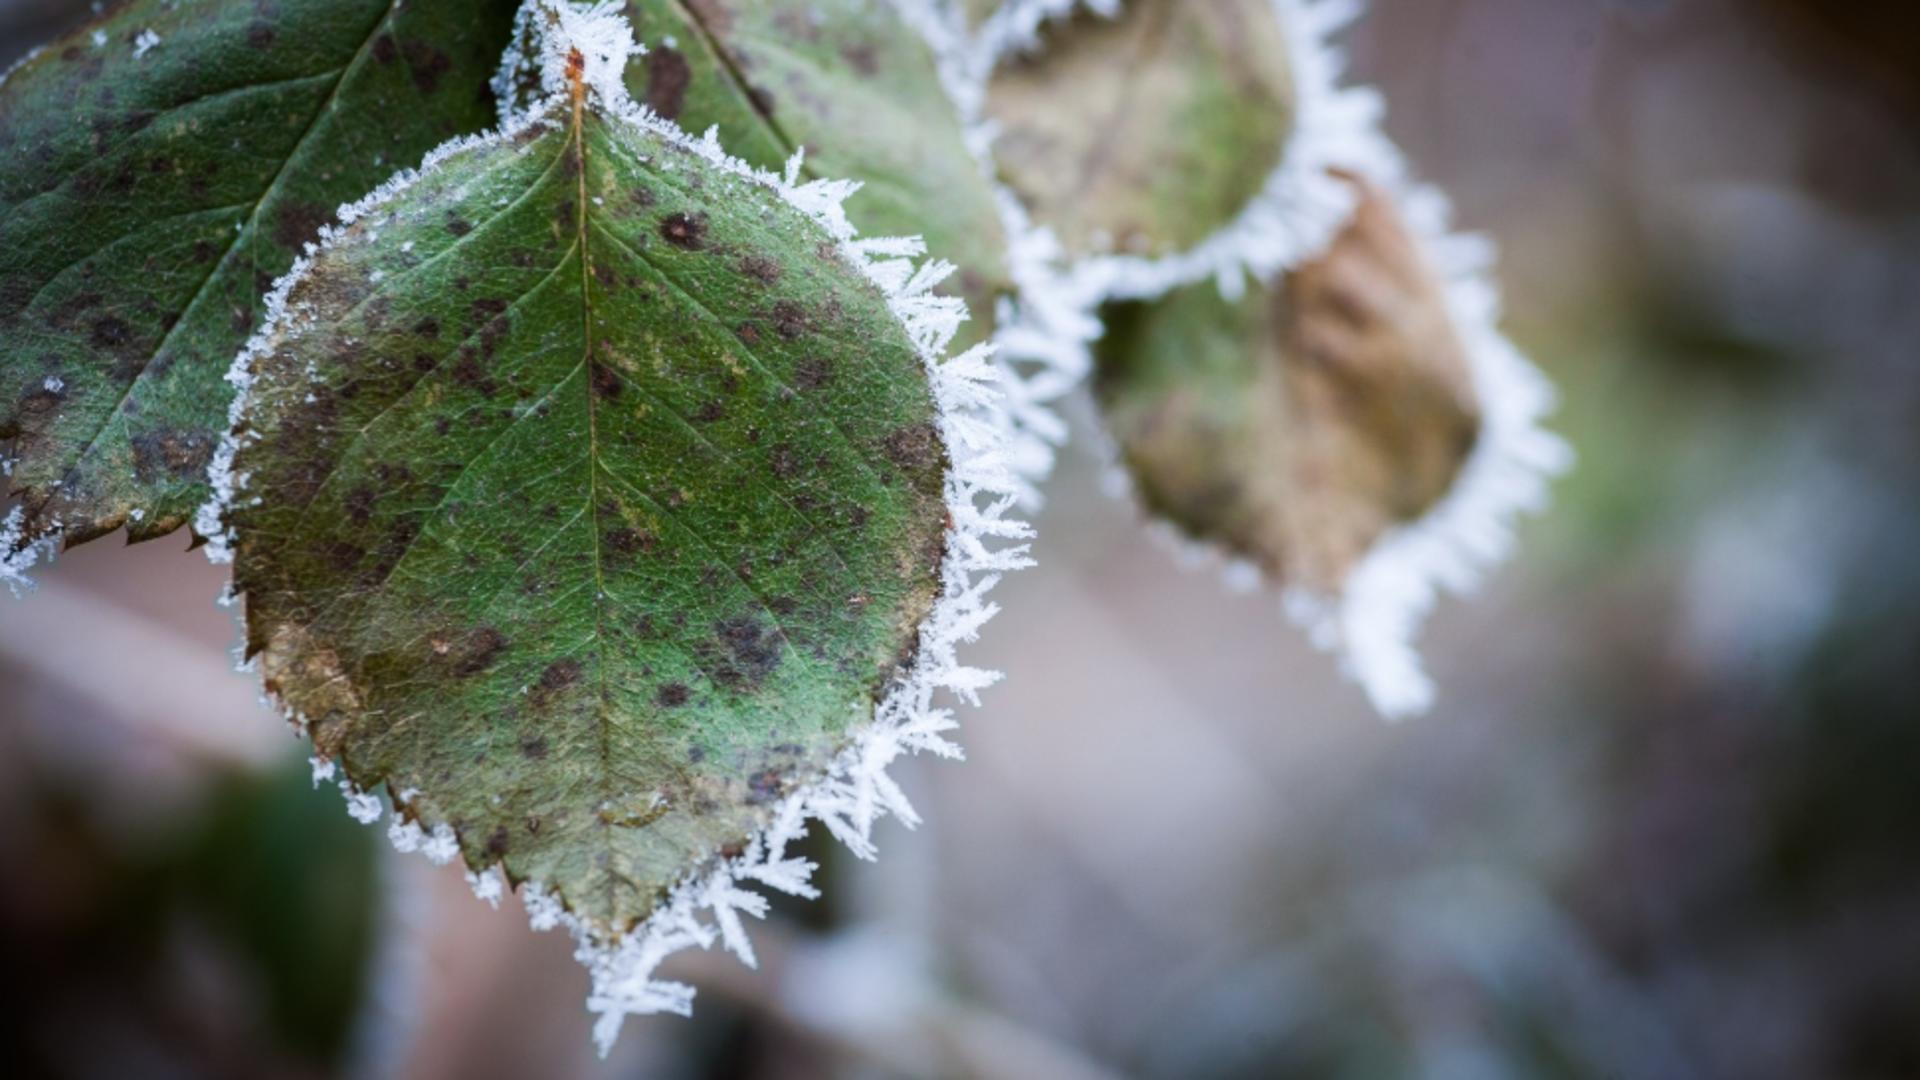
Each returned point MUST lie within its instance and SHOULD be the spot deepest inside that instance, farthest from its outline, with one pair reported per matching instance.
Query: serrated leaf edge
(983, 543)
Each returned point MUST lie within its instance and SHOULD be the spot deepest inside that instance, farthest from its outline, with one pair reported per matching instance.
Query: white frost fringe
(1047, 332)
(856, 793)
(17, 558)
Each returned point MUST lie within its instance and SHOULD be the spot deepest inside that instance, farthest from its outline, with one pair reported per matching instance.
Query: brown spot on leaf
(742, 653)
(761, 269)
(481, 651)
(790, 319)
(628, 541)
(259, 35)
(673, 695)
(764, 786)
(295, 223)
(427, 63)
(110, 333)
(384, 49)
(606, 382)
(559, 675)
(915, 447)
(177, 455)
(688, 232)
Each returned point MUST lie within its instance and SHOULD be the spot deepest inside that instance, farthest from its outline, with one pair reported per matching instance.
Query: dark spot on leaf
(764, 786)
(915, 448)
(427, 63)
(458, 226)
(743, 653)
(533, 748)
(627, 541)
(428, 327)
(790, 319)
(667, 77)
(683, 231)
(42, 400)
(644, 196)
(712, 412)
(497, 841)
(384, 50)
(259, 35)
(176, 455)
(783, 461)
(557, 677)
(482, 650)
(110, 333)
(761, 269)
(295, 223)
(673, 695)
(468, 372)
(606, 382)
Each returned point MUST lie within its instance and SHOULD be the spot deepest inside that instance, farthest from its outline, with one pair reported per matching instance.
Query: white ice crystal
(144, 43)
(17, 556)
(982, 544)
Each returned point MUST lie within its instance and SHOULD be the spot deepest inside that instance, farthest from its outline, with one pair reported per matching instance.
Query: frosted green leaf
(1295, 427)
(590, 500)
(159, 168)
(854, 86)
(1145, 133)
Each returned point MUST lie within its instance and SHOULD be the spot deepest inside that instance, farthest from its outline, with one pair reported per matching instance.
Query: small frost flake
(144, 43)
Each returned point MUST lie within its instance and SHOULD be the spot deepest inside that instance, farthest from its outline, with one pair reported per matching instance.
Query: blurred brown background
(1665, 823)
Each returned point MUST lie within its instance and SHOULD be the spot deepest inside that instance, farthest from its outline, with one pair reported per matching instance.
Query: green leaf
(1295, 427)
(159, 168)
(854, 86)
(1145, 133)
(593, 500)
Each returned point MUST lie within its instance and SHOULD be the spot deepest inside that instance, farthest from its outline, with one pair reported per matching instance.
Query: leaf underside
(602, 501)
(858, 89)
(1297, 426)
(1146, 133)
(148, 200)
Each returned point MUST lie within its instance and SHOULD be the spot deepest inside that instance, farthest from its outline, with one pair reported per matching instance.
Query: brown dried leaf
(1296, 427)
